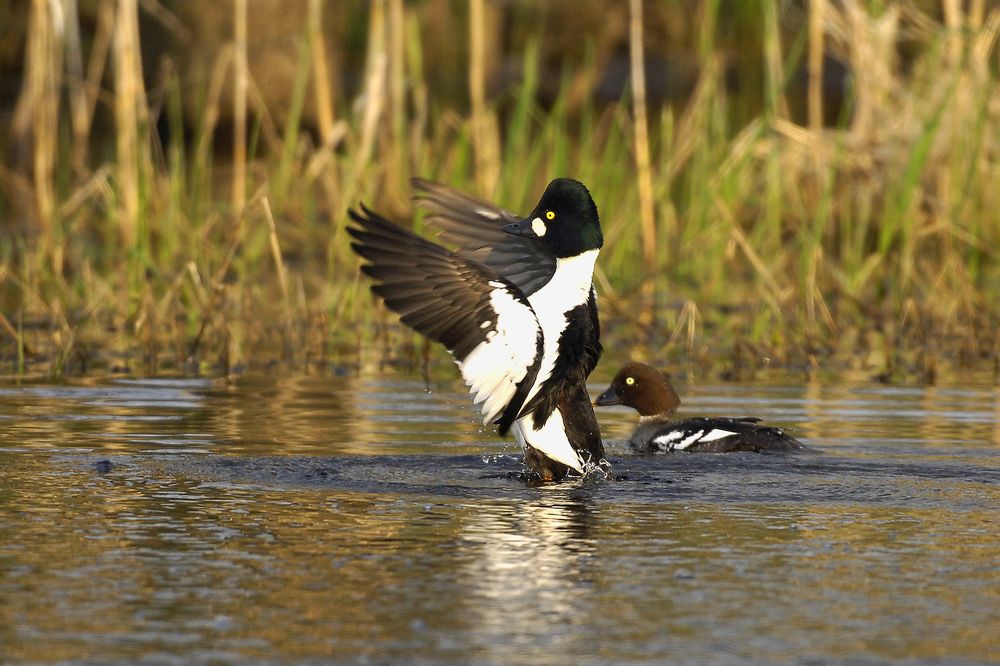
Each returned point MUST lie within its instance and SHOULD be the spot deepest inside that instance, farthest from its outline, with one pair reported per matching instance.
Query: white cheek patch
(538, 227)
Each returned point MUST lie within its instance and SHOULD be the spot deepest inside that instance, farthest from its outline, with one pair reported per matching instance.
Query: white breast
(569, 288)
(550, 439)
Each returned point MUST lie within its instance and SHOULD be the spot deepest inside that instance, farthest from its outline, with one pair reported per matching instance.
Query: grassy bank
(868, 247)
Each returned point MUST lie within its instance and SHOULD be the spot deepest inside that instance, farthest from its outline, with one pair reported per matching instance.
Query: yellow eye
(549, 215)
(630, 380)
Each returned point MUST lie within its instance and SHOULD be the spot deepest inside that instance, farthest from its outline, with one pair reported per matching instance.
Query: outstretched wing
(473, 225)
(479, 316)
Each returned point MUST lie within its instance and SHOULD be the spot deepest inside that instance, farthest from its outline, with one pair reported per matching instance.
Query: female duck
(650, 392)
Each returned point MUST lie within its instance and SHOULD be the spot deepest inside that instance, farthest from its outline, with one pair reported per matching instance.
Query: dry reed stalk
(952, 11)
(157, 312)
(292, 146)
(374, 96)
(321, 74)
(691, 129)
(484, 135)
(977, 12)
(240, 77)
(817, 9)
(38, 105)
(814, 104)
(200, 288)
(268, 130)
(397, 94)
(279, 263)
(83, 109)
(96, 184)
(11, 330)
(985, 41)
(772, 293)
(4, 322)
(773, 63)
(687, 321)
(873, 47)
(641, 142)
(74, 78)
(210, 116)
(130, 114)
(419, 94)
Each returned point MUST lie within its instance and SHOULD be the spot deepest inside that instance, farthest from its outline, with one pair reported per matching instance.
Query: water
(320, 520)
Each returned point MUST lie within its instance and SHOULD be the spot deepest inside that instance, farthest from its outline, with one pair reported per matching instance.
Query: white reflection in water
(528, 565)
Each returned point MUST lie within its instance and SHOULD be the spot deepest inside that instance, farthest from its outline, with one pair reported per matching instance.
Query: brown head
(643, 388)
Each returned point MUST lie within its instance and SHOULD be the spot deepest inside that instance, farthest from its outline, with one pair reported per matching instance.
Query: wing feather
(473, 226)
(481, 317)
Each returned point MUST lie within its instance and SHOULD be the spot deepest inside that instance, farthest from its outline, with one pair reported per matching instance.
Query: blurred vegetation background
(807, 186)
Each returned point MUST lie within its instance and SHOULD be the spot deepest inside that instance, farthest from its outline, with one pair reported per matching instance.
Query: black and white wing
(722, 435)
(692, 435)
(480, 317)
(473, 226)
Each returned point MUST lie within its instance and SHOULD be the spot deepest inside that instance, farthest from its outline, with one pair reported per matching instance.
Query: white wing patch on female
(687, 438)
(669, 437)
(495, 367)
(716, 433)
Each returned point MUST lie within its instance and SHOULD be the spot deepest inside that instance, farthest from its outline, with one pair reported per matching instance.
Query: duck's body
(710, 435)
(650, 392)
(568, 439)
(515, 306)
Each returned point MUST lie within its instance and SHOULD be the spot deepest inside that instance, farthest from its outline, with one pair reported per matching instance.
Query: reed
(642, 160)
(321, 80)
(37, 108)
(760, 241)
(240, 74)
(483, 123)
(131, 121)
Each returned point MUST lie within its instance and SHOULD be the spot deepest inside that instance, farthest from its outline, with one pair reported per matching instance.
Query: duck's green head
(565, 220)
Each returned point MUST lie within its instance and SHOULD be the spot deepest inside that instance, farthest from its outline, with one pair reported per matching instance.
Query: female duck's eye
(549, 215)
(630, 380)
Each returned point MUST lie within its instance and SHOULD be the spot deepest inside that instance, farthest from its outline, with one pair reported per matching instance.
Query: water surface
(329, 519)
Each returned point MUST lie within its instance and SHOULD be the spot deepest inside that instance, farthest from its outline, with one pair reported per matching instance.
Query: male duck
(514, 304)
(650, 392)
